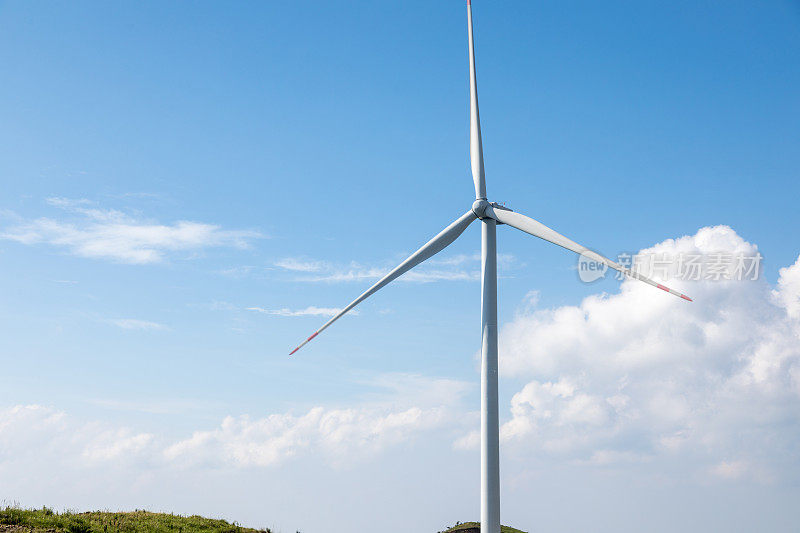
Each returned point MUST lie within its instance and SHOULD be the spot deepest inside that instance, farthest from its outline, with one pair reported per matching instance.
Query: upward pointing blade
(431, 248)
(475, 143)
(537, 229)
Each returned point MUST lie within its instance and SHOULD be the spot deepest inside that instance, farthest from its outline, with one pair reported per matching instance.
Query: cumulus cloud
(114, 444)
(787, 294)
(90, 231)
(30, 434)
(642, 374)
(338, 434)
(407, 407)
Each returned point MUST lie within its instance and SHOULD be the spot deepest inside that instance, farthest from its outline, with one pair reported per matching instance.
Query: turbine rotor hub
(482, 208)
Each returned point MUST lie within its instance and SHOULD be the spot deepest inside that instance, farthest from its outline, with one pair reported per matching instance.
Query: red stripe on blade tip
(308, 339)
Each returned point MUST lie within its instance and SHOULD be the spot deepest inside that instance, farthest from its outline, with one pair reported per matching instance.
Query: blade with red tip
(431, 248)
(537, 229)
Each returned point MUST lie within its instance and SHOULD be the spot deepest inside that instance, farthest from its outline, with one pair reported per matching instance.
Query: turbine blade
(431, 248)
(537, 229)
(475, 143)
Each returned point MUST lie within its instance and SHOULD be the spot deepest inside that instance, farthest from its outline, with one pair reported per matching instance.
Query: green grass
(46, 520)
(468, 525)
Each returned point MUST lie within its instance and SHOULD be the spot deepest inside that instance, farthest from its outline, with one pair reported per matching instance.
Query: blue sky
(168, 170)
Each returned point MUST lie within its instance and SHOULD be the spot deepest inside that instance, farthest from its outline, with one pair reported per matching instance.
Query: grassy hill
(15, 520)
(45, 520)
(470, 526)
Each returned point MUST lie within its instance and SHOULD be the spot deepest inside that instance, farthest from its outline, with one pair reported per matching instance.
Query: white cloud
(132, 323)
(308, 311)
(788, 292)
(530, 301)
(339, 434)
(30, 434)
(112, 234)
(111, 445)
(646, 375)
(470, 441)
(407, 407)
(560, 407)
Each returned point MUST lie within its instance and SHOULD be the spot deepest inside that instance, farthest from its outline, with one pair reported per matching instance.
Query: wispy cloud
(237, 272)
(454, 260)
(132, 323)
(461, 267)
(299, 265)
(503, 260)
(308, 311)
(149, 195)
(111, 234)
(422, 275)
(67, 203)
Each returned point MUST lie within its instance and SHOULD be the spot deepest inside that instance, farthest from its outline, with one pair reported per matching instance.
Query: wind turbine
(490, 214)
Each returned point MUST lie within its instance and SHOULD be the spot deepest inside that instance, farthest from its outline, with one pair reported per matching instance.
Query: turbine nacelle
(484, 209)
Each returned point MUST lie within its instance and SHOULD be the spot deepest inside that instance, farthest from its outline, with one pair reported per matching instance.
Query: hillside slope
(470, 527)
(45, 520)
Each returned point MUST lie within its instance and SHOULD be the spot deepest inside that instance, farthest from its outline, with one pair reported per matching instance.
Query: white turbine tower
(490, 214)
